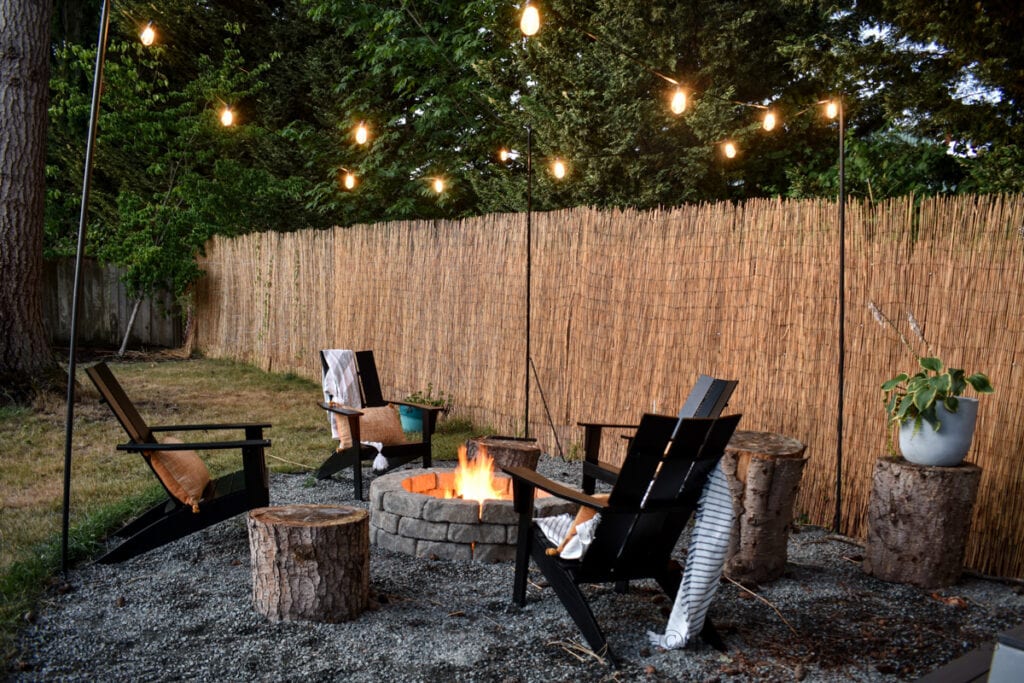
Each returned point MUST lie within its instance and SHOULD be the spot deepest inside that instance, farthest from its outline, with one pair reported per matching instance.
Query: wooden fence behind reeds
(628, 307)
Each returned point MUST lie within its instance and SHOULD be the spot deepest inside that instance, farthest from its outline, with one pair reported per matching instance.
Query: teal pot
(412, 418)
(946, 447)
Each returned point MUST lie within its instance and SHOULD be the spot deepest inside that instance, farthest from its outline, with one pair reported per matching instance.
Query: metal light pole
(529, 256)
(97, 91)
(842, 315)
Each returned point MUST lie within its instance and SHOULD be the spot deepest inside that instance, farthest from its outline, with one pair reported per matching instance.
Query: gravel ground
(184, 611)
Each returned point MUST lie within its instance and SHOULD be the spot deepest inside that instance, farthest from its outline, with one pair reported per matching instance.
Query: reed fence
(628, 307)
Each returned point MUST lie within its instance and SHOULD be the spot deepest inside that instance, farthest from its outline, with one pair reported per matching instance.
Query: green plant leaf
(980, 382)
(930, 363)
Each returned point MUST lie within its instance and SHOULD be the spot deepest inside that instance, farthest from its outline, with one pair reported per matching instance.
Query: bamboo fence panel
(628, 307)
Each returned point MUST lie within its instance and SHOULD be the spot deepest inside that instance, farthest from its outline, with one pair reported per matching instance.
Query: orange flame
(475, 480)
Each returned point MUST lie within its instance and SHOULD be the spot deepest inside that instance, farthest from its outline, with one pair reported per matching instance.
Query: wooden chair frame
(355, 455)
(658, 488)
(223, 498)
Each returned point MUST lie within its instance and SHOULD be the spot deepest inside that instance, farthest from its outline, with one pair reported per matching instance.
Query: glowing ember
(475, 480)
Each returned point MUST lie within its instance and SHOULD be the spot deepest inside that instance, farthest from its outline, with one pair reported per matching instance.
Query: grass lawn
(109, 485)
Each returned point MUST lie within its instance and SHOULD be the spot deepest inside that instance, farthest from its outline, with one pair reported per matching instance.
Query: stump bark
(918, 521)
(764, 471)
(505, 452)
(310, 562)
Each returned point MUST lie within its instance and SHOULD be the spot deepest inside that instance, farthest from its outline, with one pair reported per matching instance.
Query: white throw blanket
(705, 559)
(341, 385)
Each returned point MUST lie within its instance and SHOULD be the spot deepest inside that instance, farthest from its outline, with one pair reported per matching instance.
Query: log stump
(918, 521)
(310, 562)
(505, 452)
(763, 470)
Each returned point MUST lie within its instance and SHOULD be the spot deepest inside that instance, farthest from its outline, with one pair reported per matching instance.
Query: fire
(475, 480)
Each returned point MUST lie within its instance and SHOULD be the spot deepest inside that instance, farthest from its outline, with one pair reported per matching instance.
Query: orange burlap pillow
(381, 424)
(183, 473)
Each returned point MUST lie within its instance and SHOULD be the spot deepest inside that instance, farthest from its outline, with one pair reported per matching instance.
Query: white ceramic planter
(946, 447)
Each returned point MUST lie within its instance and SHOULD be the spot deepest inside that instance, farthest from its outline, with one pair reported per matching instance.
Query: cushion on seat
(381, 425)
(183, 473)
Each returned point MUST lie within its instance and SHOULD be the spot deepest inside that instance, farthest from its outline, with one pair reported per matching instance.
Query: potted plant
(933, 419)
(412, 417)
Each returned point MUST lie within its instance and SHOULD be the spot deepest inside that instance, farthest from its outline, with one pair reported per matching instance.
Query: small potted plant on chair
(412, 418)
(934, 420)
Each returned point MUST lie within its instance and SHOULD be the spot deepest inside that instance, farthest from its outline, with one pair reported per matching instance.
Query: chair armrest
(606, 425)
(207, 446)
(340, 410)
(541, 482)
(211, 427)
(435, 409)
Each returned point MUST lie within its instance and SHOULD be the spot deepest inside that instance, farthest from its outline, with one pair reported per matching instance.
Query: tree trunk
(310, 562)
(918, 521)
(128, 330)
(763, 470)
(26, 363)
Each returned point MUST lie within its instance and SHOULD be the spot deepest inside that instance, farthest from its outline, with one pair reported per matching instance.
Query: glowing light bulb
(558, 168)
(439, 185)
(503, 154)
(832, 109)
(530, 22)
(227, 117)
(362, 134)
(148, 35)
(769, 121)
(730, 150)
(678, 102)
(349, 180)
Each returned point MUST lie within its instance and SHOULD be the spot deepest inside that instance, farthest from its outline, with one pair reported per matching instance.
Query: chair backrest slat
(123, 409)
(708, 398)
(646, 449)
(369, 382)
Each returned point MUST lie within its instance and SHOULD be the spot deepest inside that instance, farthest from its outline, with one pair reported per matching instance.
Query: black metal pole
(842, 316)
(97, 91)
(529, 256)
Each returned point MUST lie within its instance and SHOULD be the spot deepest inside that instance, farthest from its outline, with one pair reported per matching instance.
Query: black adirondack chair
(372, 397)
(657, 491)
(221, 498)
(708, 398)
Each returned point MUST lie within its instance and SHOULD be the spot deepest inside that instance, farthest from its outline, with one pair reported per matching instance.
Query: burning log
(310, 562)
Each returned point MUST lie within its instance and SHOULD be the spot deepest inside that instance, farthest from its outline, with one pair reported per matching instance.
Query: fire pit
(417, 512)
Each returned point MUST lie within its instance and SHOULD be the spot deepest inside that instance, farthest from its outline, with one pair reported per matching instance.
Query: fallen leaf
(951, 600)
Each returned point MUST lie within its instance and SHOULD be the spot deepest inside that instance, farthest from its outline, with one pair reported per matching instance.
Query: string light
(348, 181)
(503, 154)
(362, 134)
(148, 35)
(529, 24)
(769, 121)
(227, 117)
(558, 168)
(439, 185)
(678, 104)
(831, 109)
(729, 149)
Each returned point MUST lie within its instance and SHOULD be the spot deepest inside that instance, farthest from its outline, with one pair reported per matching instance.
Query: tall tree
(26, 362)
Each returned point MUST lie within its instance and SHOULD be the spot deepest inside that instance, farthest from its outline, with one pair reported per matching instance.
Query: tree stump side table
(506, 452)
(310, 562)
(918, 521)
(763, 470)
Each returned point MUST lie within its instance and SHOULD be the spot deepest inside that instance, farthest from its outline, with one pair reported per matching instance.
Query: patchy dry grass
(109, 485)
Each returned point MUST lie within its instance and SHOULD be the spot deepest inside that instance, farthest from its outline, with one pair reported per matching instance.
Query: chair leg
(357, 479)
(710, 635)
(153, 514)
(572, 598)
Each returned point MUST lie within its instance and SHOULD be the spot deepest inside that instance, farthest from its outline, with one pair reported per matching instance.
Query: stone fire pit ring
(405, 518)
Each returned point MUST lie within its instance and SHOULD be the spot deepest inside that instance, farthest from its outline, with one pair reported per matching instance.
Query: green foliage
(915, 397)
(427, 397)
